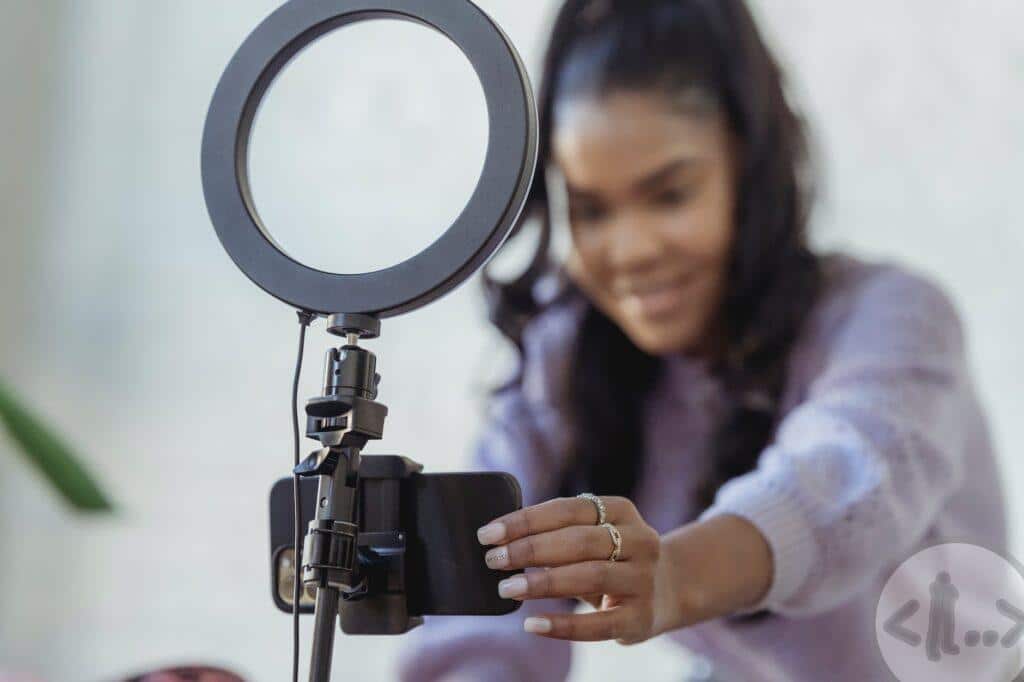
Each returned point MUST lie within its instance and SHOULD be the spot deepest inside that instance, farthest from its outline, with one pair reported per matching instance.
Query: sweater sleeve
(520, 438)
(860, 468)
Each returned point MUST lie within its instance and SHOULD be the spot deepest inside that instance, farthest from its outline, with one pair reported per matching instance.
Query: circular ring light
(474, 236)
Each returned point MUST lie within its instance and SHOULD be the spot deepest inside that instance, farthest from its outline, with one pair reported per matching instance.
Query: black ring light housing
(475, 235)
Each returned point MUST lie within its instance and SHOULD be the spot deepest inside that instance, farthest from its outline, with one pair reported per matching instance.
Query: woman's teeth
(657, 301)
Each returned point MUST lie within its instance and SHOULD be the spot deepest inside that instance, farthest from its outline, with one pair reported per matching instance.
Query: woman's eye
(671, 198)
(585, 213)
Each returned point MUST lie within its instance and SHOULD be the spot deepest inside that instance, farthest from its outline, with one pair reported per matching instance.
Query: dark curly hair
(671, 47)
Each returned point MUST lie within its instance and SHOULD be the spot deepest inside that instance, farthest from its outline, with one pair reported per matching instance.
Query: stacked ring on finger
(560, 547)
(616, 541)
(602, 512)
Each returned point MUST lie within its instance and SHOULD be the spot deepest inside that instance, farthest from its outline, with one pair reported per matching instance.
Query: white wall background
(126, 324)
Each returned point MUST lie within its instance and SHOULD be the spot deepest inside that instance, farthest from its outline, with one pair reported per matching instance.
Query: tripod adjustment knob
(363, 326)
(323, 462)
(350, 371)
(328, 407)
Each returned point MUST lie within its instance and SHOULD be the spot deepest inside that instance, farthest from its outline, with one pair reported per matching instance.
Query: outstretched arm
(854, 478)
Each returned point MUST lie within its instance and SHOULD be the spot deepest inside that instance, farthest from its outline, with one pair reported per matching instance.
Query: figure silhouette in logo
(942, 618)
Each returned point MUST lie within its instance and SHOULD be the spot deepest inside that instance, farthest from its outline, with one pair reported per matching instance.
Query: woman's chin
(664, 340)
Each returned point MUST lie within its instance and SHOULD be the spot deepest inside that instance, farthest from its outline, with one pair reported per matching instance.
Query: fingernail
(497, 557)
(491, 534)
(537, 625)
(513, 587)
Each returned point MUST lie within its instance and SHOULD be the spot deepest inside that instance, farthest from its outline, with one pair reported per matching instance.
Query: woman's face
(651, 207)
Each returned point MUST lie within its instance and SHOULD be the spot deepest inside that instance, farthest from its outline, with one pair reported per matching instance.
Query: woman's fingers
(552, 515)
(620, 624)
(594, 600)
(588, 578)
(567, 546)
(563, 537)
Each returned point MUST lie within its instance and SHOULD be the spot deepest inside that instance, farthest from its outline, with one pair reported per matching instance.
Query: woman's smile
(651, 196)
(657, 300)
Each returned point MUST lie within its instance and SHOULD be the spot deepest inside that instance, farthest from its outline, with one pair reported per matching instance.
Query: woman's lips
(658, 301)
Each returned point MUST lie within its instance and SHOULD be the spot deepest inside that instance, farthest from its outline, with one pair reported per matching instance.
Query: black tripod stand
(343, 419)
(354, 552)
(386, 544)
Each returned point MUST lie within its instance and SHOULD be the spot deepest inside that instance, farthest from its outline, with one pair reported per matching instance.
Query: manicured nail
(497, 557)
(537, 625)
(491, 534)
(513, 587)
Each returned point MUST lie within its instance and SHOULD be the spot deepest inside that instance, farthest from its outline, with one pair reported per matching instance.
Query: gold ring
(602, 513)
(616, 540)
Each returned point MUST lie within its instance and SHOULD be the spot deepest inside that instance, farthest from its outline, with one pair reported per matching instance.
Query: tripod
(386, 544)
(343, 419)
(354, 551)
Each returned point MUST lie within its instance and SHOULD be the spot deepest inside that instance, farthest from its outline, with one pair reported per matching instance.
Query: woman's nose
(633, 245)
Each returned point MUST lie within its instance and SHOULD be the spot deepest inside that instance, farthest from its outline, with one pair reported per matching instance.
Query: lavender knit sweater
(882, 449)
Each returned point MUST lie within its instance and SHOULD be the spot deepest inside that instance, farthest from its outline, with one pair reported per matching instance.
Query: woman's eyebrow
(657, 177)
(646, 183)
(581, 193)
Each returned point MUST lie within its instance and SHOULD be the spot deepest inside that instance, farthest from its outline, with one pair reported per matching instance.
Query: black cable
(304, 321)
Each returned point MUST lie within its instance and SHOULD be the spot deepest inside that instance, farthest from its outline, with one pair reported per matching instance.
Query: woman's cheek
(586, 271)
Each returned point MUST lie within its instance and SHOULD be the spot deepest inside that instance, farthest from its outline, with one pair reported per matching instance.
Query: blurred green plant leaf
(51, 456)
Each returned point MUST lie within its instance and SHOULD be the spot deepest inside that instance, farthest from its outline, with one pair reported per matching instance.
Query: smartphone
(438, 515)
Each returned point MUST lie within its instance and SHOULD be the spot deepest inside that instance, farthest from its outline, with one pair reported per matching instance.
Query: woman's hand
(632, 595)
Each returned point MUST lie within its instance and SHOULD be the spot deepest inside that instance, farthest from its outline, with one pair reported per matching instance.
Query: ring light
(475, 235)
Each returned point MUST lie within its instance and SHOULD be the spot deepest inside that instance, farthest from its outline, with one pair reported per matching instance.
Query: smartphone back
(446, 572)
(439, 514)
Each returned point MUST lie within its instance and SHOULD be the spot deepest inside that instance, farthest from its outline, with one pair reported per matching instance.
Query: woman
(770, 431)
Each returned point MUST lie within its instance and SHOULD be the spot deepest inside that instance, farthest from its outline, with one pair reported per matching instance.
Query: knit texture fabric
(882, 450)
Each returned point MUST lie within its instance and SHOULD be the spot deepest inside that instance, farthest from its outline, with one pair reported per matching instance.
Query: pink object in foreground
(187, 674)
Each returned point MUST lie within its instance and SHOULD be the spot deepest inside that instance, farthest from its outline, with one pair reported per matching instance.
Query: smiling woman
(767, 429)
(650, 197)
